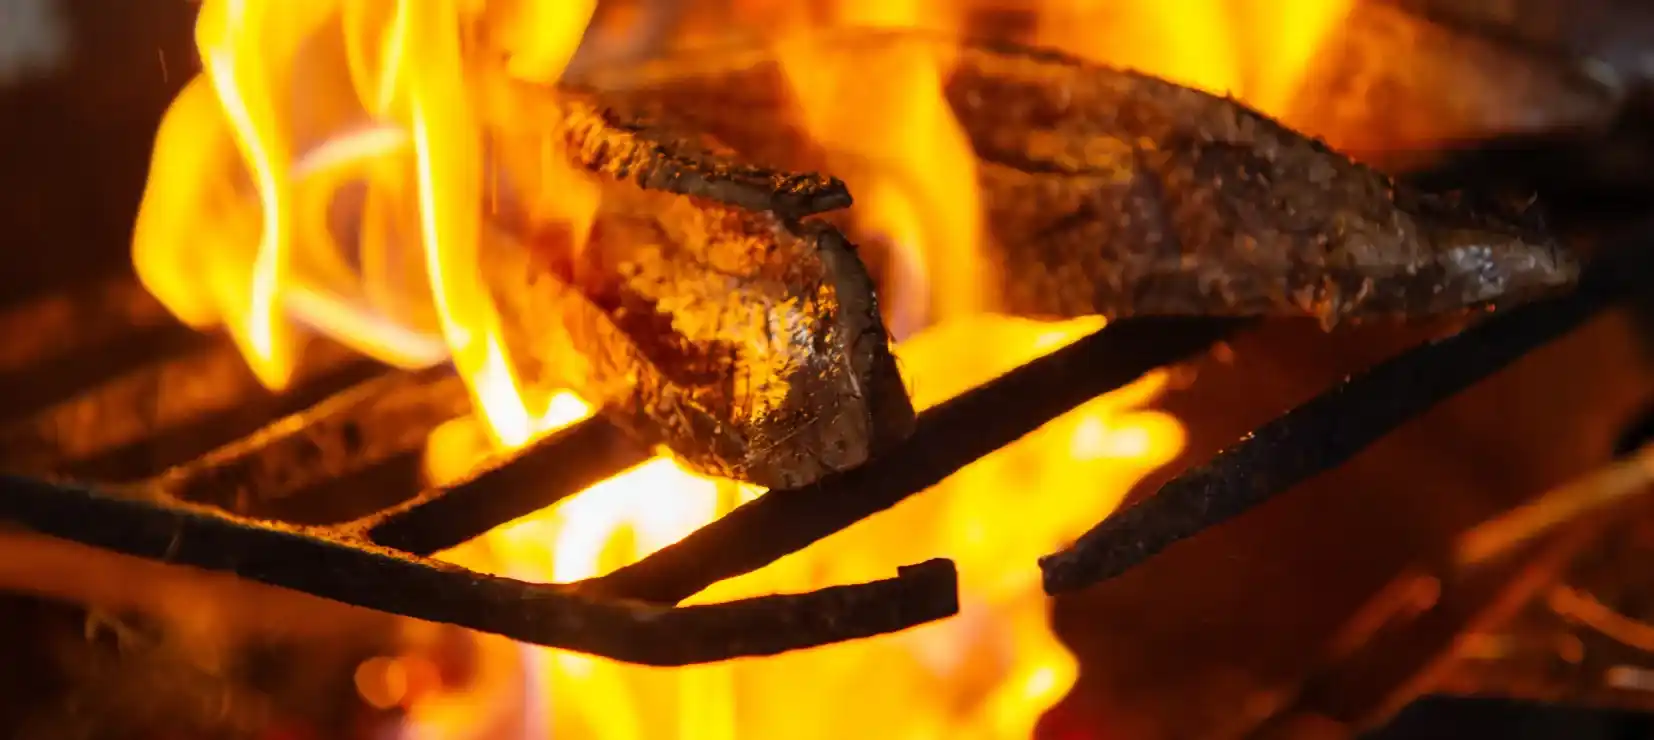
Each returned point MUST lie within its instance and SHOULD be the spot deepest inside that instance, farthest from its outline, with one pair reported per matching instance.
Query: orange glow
(303, 104)
(1189, 42)
(235, 227)
(988, 673)
(910, 166)
(1254, 50)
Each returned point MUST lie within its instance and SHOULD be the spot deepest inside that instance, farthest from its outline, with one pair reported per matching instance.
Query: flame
(324, 173)
(1196, 43)
(912, 167)
(988, 673)
(237, 221)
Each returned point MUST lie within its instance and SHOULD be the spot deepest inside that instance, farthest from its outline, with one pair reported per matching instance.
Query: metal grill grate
(379, 560)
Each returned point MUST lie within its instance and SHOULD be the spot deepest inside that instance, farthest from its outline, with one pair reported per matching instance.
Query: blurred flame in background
(307, 104)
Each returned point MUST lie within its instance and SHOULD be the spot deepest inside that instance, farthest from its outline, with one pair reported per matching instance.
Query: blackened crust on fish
(635, 142)
(1107, 191)
(749, 345)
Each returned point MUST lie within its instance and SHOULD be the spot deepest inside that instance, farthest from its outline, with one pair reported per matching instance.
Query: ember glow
(325, 174)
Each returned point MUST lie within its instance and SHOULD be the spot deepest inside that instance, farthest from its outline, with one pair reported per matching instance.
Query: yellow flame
(1286, 35)
(259, 264)
(307, 104)
(1255, 50)
(989, 673)
(1186, 41)
(883, 116)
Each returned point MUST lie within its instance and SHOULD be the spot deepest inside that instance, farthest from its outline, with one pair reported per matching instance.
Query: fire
(989, 673)
(1196, 43)
(304, 105)
(236, 226)
(920, 189)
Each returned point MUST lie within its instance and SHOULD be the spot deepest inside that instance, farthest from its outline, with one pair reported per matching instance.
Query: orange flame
(306, 103)
(917, 176)
(991, 672)
(257, 262)
(1195, 42)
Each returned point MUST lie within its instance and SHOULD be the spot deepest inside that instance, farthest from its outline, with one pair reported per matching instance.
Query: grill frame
(378, 561)
(388, 547)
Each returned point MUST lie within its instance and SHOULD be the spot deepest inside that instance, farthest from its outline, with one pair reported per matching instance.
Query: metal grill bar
(353, 562)
(1333, 427)
(504, 488)
(948, 437)
(1311, 439)
(378, 561)
(326, 563)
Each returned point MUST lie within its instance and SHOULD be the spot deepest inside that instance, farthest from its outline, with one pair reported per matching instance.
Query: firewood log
(1391, 83)
(701, 312)
(1110, 192)
(1113, 192)
(713, 308)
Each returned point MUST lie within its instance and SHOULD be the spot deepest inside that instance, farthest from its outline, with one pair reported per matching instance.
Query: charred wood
(698, 311)
(948, 437)
(1117, 193)
(321, 563)
(1110, 192)
(1391, 81)
(653, 154)
(709, 317)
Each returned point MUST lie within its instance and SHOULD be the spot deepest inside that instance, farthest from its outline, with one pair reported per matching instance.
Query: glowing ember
(304, 105)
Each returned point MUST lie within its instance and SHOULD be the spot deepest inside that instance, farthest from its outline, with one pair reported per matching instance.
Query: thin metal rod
(1311, 439)
(319, 562)
(505, 488)
(948, 437)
